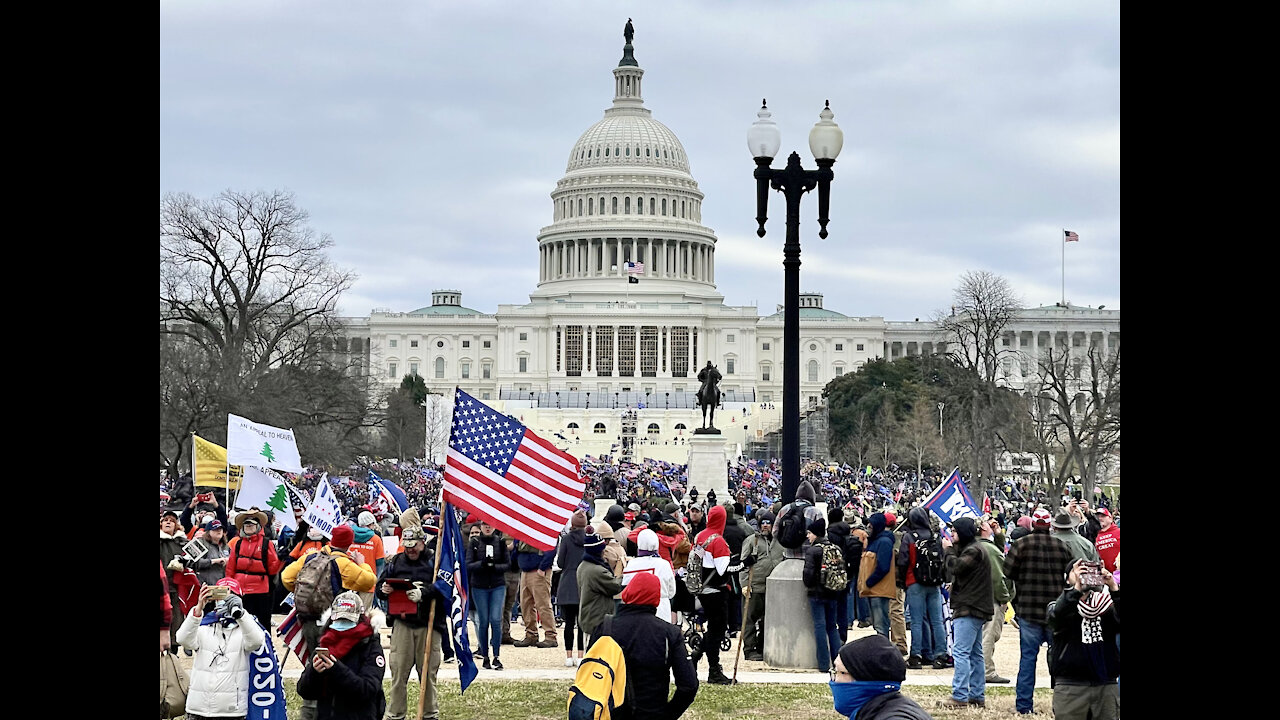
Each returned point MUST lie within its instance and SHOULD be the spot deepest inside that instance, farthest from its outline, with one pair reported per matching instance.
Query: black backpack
(853, 550)
(790, 528)
(930, 568)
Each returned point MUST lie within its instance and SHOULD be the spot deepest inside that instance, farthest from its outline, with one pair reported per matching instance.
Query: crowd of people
(664, 557)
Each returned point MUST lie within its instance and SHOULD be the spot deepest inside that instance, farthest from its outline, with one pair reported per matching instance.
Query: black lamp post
(764, 140)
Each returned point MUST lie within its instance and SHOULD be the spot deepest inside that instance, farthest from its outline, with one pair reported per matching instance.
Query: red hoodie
(666, 543)
(717, 555)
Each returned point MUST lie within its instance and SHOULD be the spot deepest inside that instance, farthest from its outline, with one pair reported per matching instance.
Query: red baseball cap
(232, 583)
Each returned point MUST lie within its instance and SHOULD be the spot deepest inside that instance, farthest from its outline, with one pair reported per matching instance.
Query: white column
(615, 351)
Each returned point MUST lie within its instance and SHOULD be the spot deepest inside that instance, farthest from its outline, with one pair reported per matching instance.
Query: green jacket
(1000, 591)
(767, 553)
(596, 588)
(1079, 545)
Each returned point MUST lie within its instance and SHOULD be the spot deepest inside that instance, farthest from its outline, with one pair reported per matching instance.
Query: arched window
(639, 206)
(628, 152)
(664, 207)
(579, 207)
(652, 205)
(606, 152)
(601, 204)
(813, 371)
(626, 205)
(615, 204)
(680, 426)
(646, 152)
(653, 428)
(598, 429)
(573, 426)
(591, 206)
(439, 367)
(682, 210)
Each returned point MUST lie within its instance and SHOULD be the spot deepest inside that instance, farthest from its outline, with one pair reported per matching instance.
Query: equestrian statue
(709, 397)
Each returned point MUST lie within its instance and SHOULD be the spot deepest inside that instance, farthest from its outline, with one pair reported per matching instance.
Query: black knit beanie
(873, 658)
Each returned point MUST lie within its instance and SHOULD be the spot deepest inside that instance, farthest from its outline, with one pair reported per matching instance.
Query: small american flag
(516, 481)
(291, 631)
(635, 268)
(1070, 236)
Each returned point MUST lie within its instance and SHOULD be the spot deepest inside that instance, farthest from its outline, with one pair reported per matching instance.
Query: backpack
(853, 555)
(600, 685)
(318, 582)
(835, 575)
(693, 580)
(930, 568)
(790, 528)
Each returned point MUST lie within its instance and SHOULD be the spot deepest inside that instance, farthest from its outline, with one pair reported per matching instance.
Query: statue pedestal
(788, 620)
(707, 466)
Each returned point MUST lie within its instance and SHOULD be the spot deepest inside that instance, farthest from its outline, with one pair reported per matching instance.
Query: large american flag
(635, 268)
(1070, 236)
(500, 470)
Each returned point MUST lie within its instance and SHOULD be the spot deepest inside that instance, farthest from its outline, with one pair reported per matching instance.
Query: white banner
(250, 443)
(264, 489)
(325, 512)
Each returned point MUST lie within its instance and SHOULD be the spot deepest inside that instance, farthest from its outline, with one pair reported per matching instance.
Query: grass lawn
(546, 699)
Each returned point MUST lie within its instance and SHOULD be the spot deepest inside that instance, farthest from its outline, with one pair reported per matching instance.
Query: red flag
(986, 504)
(510, 477)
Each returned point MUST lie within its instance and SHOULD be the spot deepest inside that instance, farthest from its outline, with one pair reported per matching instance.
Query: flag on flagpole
(265, 489)
(952, 500)
(389, 491)
(250, 443)
(291, 631)
(452, 584)
(504, 473)
(635, 268)
(324, 512)
(209, 465)
(1070, 236)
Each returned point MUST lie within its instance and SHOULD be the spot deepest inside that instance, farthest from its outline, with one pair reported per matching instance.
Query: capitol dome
(627, 214)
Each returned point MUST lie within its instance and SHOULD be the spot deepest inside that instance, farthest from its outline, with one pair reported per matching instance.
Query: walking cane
(743, 631)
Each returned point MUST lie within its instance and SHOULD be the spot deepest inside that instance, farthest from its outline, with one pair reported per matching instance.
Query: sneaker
(486, 665)
(716, 676)
(754, 657)
(450, 660)
(864, 623)
(949, 660)
(497, 664)
(568, 662)
(979, 703)
(547, 644)
(997, 680)
(525, 642)
(477, 655)
(914, 663)
(940, 664)
(577, 661)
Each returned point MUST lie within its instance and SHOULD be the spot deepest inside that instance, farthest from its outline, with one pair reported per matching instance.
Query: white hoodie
(648, 540)
(220, 671)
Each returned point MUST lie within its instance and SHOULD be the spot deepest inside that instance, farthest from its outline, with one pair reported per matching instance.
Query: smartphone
(204, 497)
(1091, 574)
(219, 592)
(488, 551)
(325, 652)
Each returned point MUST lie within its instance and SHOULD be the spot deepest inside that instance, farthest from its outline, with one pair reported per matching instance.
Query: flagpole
(1064, 267)
(431, 621)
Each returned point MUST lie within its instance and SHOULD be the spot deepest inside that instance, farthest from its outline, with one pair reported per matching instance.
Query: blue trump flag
(397, 502)
(452, 584)
(951, 500)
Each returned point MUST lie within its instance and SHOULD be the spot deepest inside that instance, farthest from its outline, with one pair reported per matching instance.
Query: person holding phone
(1085, 620)
(487, 560)
(344, 675)
(223, 636)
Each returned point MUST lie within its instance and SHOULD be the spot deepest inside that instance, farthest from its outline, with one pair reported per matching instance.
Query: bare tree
(438, 425)
(886, 431)
(249, 296)
(919, 434)
(983, 306)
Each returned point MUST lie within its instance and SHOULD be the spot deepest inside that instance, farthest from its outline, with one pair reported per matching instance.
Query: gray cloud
(427, 137)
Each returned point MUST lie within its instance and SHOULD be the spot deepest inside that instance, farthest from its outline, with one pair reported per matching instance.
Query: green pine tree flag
(279, 501)
(267, 453)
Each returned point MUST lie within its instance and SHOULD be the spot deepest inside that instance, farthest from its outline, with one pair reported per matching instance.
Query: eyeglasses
(833, 673)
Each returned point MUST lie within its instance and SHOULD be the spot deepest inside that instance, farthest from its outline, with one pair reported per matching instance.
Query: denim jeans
(859, 608)
(842, 617)
(826, 635)
(1031, 635)
(488, 605)
(970, 679)
(879, 609)
(926, 611)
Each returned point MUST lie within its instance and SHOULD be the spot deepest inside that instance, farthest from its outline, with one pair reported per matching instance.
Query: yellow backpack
(601, 683)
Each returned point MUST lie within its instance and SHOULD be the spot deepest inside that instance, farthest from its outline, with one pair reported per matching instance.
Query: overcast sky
(426, 137)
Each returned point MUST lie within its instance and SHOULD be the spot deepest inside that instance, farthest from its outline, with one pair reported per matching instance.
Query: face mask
(220, 606)
(249, 530)
(851, 696)
(341, 625)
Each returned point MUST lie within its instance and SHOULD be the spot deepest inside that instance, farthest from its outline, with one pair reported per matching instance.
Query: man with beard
(409, 627)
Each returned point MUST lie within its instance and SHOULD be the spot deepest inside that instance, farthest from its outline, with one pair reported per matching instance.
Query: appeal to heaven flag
(264, 489)
(452, 584)
(209, 465)
(250, 443)
(952, 500)
(324, 512)
(510, 477)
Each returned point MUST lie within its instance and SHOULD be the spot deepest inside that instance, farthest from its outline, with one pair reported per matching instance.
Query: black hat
(818, 527)
(873, 658)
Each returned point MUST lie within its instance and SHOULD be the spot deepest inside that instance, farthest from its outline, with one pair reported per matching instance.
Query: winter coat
(596, 587)
(209, 572)
(969, 569)
(220, 688)
(1037, 565)
(1081, 548)
(485, 571)
(670, 535)
(568, 557)
(170, 546)
(882, 581)
(892, 706)
(999, 588)
(355, 576)
(1072, 661)
(400, 566)
(715, 561)
(654, 651)
(369, 545)
(813, 572)
(917, 530)
(352, 688)
(245, 563)
(530, 558)
(662, 570)
(760, 555)
(166, 603)
(613, 554)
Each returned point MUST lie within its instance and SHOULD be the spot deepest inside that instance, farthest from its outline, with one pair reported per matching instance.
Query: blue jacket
(533, 559)
(882, 545)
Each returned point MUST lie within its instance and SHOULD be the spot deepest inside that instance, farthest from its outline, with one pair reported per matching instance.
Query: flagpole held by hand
(431, 622)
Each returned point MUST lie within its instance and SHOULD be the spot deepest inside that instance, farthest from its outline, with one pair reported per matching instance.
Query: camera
(219, 592)
(1091, 575)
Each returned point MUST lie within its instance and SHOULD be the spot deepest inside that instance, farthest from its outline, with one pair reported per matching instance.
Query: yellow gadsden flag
(209, 465)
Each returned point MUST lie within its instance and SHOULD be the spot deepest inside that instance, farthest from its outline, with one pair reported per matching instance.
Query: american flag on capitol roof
(503, 472)
(1070, 236)
(635, 268)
